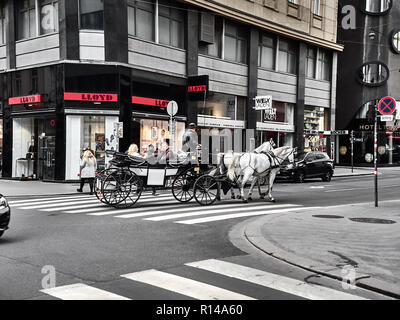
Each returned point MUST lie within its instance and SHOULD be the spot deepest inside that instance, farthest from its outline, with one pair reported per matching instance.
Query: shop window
(267, 48)
(48, 16)
(287, 56)
(223, 106)
(324, 65)
(93, 136)
(235, 43)
(141, 19)
(26, 19)
(171, 24)
(311, 62)
(91, 14)
(215, 48)
(373, 73)
(2, 25)
(377, 7)
(314, 119)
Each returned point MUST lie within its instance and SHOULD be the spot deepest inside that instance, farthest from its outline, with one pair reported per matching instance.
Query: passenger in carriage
(166, 154)
(133, 150)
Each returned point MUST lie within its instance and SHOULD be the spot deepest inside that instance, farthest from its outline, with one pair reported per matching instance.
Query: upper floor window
(28, 26)
(311, 62)
(141, 19)
(171, 24)
(324, 65)
(293, 1)
(91, 14)
(378, 6)
(373, 73)
(48, 16)
(235, 43)
(316, 9)
(287, 56)
(2, 25)
(267, 48)
(214, 49)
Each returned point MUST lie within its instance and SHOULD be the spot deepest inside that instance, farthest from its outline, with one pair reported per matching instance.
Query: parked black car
(4, 215)
(308, 165)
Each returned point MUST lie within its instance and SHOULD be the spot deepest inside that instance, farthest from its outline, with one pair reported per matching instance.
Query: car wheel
(327, 177)
(300, 177)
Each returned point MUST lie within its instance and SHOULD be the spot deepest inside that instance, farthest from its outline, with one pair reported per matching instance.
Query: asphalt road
(160, 248)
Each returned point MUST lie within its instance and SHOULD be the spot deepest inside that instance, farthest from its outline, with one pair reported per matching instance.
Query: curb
(251, 232)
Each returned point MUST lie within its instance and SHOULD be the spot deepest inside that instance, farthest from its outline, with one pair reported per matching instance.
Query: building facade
(368, 70)
(70, 70)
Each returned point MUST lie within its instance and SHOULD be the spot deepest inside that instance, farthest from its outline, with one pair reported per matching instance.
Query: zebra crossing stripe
(199, 212)
(241, 215)
(46, 199)
(270, 280)
(184, 286)
(58, 205)
(38, 201)
(81, 291)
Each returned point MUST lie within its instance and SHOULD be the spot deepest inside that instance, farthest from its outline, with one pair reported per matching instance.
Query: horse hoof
(238, 197)
(263, 195)
(262, 198)
(233, 198)
(272, 200)
(245, 201)
(250, 198)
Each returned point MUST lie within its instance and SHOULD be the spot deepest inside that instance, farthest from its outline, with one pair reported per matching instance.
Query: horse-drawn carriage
(122, 184)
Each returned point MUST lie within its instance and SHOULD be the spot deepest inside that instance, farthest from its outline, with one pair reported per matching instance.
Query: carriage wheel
(133, 193)
(116, 186)
(182, 186)
(98, 185)
(206, 190)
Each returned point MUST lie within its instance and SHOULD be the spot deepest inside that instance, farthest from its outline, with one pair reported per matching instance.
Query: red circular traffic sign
(387, 106)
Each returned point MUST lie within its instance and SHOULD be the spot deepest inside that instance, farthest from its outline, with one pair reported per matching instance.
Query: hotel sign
(90, 97)
(25, 100)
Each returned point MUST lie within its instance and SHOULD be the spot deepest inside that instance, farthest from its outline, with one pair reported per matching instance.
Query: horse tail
(231, 169)
(212, 173)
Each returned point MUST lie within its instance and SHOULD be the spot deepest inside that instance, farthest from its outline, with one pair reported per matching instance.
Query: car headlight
(3, 202)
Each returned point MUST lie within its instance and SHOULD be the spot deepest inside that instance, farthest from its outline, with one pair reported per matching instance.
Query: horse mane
(278, 151)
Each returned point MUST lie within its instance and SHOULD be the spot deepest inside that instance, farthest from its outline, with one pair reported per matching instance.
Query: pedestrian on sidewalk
(88, 170)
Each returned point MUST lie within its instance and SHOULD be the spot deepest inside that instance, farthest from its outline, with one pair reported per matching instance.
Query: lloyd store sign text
(92, 97)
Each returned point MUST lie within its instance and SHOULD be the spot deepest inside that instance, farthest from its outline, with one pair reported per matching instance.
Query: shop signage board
(387, 106)
(90, 97)
(263, 103)
(25, 100)
(198, 88)
(150, 102)
(336, 133)
(387, 118)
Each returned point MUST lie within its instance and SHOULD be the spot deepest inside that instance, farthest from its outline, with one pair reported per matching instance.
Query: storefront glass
(155, 132)
(315, 123)
(223, 106)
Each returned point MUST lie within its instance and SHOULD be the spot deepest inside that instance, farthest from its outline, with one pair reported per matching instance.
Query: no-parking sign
(387, 106)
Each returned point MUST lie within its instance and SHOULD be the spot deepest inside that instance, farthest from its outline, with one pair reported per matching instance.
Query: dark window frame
(21, 10)
(86, 27)
(238, 36)
(137, 5)
(377, 84)
(175, 14)
(263, 45)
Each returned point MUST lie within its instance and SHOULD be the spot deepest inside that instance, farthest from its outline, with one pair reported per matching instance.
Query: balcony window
(373, 73)
(91, 14)
(141, 19)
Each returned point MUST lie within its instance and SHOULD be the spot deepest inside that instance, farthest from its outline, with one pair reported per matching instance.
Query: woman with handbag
(88, 170)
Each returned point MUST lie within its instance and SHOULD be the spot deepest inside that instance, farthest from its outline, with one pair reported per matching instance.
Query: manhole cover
(372, 220)
(328, 216)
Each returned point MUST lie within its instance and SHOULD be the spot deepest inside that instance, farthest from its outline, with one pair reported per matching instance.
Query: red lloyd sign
(150, 102)
(91, 97)
(25, 100)
(202, 88)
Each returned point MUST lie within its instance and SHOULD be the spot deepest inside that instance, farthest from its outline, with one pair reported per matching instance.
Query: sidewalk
(337, 243)
(346, 171)
(15, 188)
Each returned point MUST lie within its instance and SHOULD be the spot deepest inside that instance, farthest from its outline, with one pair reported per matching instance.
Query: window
(316, 7)
(293, 1)
(223, 106)
(2, 25)
(91, 13)
(48, 16)
(373, 73)
(266, 54)
(377, 7)
(396, 41)
(18, 83)
(215, 48)
(34, 77)
(26, 24)
(235, 43)
(311, 62)
(324, 65)
(287, 56)
(141, 19)
(171, 24)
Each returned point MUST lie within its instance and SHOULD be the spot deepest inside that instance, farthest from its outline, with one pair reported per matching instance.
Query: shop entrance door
(47, 149)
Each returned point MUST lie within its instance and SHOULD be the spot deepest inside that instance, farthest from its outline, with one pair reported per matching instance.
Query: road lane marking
(184, 286)
(369, 188)
(39, 201)
(80, 291)
(273, 281)
(213, 211)
(242, 215)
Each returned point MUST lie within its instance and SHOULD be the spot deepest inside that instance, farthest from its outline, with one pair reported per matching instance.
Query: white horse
(225, 160)
(258, 165)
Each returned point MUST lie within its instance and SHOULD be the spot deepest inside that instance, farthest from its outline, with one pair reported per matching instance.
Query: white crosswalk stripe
(81, 291)
(285, 284)
(159, 208)
(227, 274)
